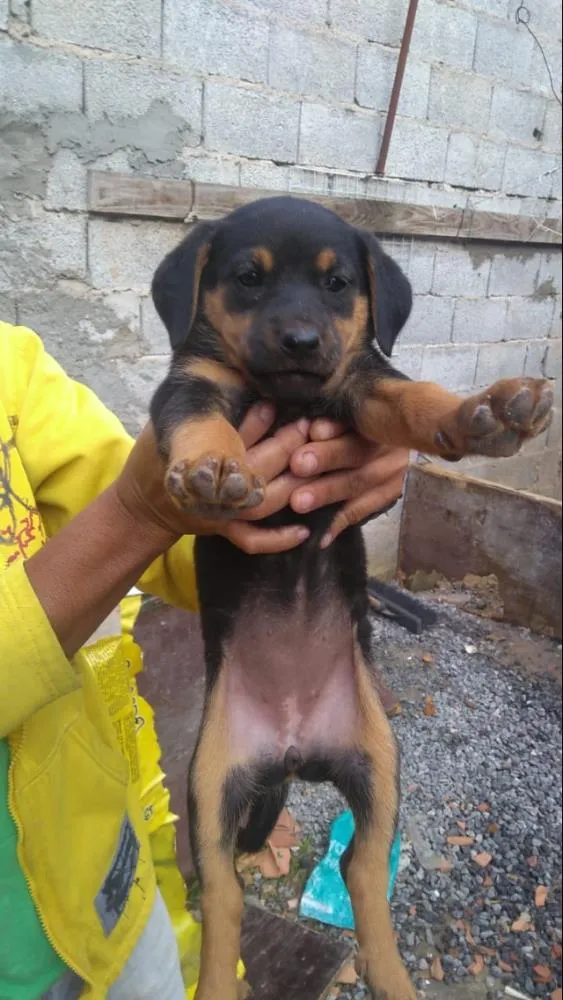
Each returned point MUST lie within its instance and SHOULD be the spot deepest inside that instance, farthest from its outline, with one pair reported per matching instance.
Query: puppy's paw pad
(497, 422)
(214, 485)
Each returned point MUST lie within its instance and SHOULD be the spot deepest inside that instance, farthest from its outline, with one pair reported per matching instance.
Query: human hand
(346, 468)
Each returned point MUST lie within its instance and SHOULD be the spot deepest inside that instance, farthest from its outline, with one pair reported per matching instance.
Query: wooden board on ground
(286, 960)
(454, 525)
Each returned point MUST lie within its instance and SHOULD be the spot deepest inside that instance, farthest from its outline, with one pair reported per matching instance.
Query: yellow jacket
(83, 843)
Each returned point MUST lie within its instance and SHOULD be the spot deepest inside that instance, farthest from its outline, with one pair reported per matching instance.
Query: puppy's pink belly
(290, 686)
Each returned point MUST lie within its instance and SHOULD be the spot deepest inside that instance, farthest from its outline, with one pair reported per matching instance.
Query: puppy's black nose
(301, 341)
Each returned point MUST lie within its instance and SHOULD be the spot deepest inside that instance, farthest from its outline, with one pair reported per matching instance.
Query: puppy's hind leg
(219, 797)
(368, 778)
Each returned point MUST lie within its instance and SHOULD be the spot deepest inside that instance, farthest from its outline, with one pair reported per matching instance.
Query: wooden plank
(285, 960)
(455, 525)
(123, 194)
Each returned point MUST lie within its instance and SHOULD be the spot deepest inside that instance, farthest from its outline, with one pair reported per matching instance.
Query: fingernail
(326, 540)
(266, 413)
(303, 501)
(303, 426)
(303, 534)
(308, 463)
(324, 430)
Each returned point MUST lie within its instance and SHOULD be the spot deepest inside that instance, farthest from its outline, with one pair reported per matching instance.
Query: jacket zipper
(15, 745)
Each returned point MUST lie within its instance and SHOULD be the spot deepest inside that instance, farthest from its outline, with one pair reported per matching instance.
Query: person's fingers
(325, 490)
(357, 510)
(345, 452)
(256, 423)
(323, 429)
(264, 541)
(277, 496)
(270, 458)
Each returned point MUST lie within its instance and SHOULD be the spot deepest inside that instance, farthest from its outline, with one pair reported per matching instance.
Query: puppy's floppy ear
(390, 293)
(175, 286)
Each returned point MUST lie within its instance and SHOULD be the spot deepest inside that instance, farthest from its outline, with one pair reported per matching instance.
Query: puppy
(282, 300)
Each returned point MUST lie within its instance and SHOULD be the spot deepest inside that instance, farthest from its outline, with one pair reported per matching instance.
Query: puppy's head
(288, 289)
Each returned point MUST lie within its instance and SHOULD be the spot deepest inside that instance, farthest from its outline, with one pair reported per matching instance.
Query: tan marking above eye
(326, 260)
(264, 258)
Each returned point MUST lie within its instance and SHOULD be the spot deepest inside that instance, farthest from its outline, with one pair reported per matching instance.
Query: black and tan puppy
(283, 300)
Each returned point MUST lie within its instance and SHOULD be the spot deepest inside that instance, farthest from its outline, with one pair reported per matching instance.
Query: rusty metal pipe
(397, 87)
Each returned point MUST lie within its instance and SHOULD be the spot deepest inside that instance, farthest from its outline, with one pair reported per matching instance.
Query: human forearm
(84, 571)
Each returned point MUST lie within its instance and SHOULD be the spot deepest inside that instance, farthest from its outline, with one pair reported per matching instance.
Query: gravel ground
(486, 765)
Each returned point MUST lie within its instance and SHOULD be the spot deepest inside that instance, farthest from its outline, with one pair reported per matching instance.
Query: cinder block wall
(287, 95)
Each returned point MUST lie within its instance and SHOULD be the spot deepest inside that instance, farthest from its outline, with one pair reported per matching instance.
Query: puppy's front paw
(498, 421)
(214, 484)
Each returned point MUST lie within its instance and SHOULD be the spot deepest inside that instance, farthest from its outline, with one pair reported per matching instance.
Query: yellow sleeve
(33, 668)
(72, 448)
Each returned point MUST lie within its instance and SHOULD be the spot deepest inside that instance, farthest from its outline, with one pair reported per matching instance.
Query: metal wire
(524, 16)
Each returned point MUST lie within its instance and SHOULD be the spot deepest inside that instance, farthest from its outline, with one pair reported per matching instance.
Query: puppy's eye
(336, 283)
(250, 278)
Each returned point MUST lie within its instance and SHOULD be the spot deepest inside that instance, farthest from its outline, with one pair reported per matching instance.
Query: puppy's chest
(289, 677)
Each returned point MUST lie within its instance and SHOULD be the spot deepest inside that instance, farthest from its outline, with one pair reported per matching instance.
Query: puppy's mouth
(291, 385)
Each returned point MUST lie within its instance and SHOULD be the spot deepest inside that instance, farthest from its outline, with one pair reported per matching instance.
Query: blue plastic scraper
(326, 897)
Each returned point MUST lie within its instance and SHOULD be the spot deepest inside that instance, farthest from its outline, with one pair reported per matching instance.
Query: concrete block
(82, 328)
(459, 100)
(313, 12)
(479, 320)
(209, 169)
(4, 11)
(546, 18)
(461, 163)
(139, 382)
(407, 359)
(8, 309)
(451, 367)
(382, 544)
(130, 26)
(332, 137)
(418, 152)
(460, 272)
(553, 360)
(374, 81)
(550, 279)
(117, 91)
(248, 123)
(445, 34)
(493, 8)
(515, 272)
(67, 183)
(20, 9)
(549, 474)
(503, 52)
(498, 361)
(528, 319)
(555, 432)
(269, 176)
(538, 72)
(125, 255)
(552, 128)
(421, 267)
(517, 114)
(37, 250)
(489, 169)
(53, 82)
(313, 64)
(430, 321)
(373, 20)
(535, 358)
(153, 330)
(557, 325)
(212, 37)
